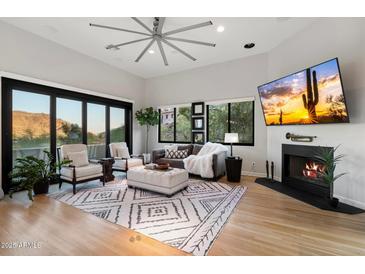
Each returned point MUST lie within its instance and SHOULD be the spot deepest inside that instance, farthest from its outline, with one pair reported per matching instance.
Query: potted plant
(328, 159)
(33, 174)
(147, 117)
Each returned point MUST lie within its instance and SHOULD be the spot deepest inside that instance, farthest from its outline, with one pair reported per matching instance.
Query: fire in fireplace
(313, 170)
(301, 170)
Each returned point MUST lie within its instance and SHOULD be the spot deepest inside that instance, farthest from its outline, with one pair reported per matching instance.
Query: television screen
(310, 96)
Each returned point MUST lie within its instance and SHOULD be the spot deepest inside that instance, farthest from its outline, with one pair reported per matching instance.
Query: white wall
(328, 38)
(234, 79)
(30, 55)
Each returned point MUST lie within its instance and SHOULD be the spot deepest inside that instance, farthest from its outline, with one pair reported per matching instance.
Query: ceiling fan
(156, 35)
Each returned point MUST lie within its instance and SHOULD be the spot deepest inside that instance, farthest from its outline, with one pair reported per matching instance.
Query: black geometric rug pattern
(190, 220)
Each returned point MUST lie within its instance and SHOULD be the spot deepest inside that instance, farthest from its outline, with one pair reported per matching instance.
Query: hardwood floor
(264, 223)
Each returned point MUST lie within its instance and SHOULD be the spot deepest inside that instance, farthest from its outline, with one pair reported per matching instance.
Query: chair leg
(74, 188)
(60, 184)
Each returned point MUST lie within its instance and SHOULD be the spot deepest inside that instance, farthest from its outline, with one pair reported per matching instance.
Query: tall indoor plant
(147, 117)
(328, 159)
(33, 174)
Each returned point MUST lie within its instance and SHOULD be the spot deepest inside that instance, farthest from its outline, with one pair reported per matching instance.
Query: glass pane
(31, 124)
(167, 125)
(68, 125)
(96, 131)
(218, 122)
(117, 125)
(242, 121)
(183, 124)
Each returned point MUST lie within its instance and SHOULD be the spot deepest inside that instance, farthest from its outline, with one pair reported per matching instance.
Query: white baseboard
(254, 174)
(350, 201)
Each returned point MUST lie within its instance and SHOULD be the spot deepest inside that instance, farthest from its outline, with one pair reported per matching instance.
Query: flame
(313, 169)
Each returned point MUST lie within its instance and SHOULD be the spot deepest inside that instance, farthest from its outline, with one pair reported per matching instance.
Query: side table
(233, 168)
(107, 164)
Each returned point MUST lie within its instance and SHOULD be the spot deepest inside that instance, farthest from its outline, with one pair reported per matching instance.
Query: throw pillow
(79, 159)
(177, 154)
(170, 147)
(123, 152)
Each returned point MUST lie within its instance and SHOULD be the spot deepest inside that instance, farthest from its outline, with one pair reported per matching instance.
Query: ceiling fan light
(220, 29)
(151, 51)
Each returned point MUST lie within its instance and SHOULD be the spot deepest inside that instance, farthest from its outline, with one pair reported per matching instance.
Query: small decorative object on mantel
(299, 138)
(198, 108)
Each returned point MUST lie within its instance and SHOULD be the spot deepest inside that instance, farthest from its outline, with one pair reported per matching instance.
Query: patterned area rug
(190, 220)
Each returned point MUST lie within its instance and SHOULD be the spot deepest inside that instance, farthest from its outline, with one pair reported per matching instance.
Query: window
(69, 121)
(183, 124)
(30, 124)
(37, 118)
(117, 125)
(166, 125)
(237, 117)
(175, 125)
(96, 138)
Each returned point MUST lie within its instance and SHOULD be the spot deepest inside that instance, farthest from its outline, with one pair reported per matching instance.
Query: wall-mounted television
(311, 96)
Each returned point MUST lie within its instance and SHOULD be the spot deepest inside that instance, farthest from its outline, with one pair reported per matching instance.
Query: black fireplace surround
(294, 161)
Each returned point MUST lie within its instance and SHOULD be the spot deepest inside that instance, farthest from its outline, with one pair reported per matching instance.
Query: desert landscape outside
(311, 96)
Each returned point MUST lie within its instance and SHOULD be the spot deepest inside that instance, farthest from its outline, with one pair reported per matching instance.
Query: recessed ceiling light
(151, 51)
(249, 45)
(220, 28)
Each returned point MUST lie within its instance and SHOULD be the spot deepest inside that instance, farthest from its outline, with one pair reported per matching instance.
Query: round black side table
(233, 168)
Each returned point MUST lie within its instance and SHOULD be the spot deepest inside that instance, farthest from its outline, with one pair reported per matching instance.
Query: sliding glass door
(37, 118)
(31, 127)
(96, 128)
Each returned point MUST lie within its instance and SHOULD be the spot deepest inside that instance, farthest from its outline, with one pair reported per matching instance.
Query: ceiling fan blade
(178, 49)
(196, 26)
(160, 24)
(142, 24)
(114, 28)
(145, 49)
(127, 43)
(162, 52)
(190, 41)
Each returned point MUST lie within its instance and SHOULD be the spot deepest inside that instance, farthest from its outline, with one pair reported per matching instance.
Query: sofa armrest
(219, 163)
(157, 154)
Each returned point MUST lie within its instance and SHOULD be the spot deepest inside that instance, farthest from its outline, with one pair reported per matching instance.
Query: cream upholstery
(132, 162)
(81, 172)
(114, 146)
(125, 163)
(166, 182)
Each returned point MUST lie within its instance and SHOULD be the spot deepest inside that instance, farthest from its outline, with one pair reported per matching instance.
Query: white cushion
(91, 170)
(123, 152)
(170, 147)
(132, 162)
(166, 182)
(114, 146)
(79, 159)
(71, 148)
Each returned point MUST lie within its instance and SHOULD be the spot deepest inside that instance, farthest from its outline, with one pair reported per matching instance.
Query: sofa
(219, 166)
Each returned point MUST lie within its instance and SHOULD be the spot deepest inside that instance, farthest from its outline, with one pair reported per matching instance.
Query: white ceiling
(76, 34)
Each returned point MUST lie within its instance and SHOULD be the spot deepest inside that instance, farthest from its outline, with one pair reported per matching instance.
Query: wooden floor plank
(265, 222)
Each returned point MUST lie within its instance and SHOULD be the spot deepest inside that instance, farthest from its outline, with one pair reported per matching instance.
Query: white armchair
(123, 161)
(80, 170)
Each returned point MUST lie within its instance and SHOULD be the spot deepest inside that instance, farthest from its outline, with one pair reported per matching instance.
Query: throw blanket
(202, 163)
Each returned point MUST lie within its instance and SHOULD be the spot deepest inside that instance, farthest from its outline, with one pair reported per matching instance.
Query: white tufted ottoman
(166, 182)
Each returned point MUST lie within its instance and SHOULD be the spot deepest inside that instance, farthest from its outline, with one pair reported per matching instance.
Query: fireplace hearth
(301, 179)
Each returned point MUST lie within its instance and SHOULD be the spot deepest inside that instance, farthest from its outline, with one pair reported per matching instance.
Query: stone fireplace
(301, 170)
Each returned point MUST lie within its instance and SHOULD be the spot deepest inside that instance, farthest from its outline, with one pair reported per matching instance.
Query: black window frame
(9, 84)
(229, 124)
(174, 141)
